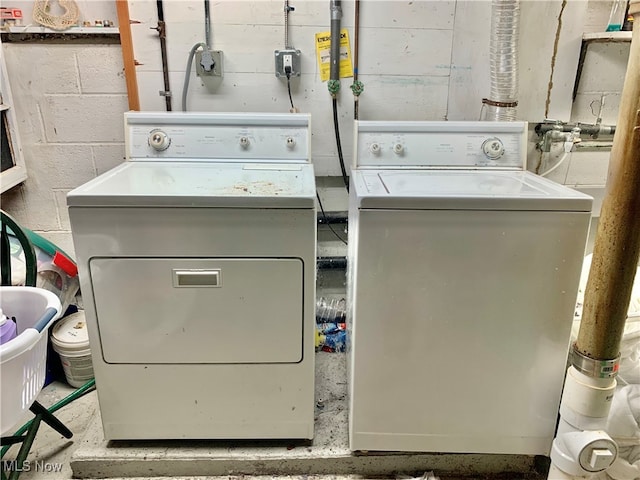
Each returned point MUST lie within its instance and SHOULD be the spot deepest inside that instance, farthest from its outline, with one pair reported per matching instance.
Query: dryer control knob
(291, 142)
(398, 148)
(374, 148)
(244, 142)
(493, 148)
(159, 140)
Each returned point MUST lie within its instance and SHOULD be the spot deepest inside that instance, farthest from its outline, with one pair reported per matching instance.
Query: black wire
(338, 144)
(289, 88)
(324, 215)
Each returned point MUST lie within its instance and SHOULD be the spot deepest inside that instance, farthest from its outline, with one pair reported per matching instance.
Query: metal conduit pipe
(336, 17)
(207, 24)
(357, 87)
(581, 447)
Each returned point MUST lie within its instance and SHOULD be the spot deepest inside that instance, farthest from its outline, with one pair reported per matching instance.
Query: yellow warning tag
(323, 52)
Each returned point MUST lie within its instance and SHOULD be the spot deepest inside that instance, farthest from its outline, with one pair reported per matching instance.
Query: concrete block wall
(69, 106)
(602, 80)
(418, 59)
(405, 61)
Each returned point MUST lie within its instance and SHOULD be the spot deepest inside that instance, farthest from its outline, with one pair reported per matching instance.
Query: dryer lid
(464, 190)
(194, 184)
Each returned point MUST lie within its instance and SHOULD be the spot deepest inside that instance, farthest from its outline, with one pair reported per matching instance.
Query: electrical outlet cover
(217, 68)
(280, 62)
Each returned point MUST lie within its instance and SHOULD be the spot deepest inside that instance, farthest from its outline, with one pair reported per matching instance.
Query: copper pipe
(617, 245)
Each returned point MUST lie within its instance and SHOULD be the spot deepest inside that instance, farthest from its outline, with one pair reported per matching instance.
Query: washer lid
(186, 184)
(464, 190)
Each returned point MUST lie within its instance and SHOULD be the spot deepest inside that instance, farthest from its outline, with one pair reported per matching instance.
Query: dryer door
(184, 310)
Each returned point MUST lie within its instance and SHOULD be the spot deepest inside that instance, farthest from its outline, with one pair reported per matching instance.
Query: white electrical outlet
(287, 58)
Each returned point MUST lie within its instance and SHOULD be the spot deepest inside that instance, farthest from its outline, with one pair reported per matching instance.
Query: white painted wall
(418, 59)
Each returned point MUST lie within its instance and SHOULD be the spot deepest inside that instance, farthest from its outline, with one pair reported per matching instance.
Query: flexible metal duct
(503, 58)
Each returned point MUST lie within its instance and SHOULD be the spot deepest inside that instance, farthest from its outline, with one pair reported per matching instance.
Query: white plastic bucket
(70, 340)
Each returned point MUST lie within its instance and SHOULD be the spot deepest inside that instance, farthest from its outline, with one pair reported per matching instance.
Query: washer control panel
(218, 136)
(441, 144)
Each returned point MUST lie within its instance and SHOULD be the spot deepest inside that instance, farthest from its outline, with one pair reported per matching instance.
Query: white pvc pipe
(556, 474)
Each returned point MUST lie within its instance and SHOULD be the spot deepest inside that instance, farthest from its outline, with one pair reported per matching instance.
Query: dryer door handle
(189, 278)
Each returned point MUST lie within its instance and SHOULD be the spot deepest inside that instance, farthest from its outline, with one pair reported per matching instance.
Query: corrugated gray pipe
(503, 61)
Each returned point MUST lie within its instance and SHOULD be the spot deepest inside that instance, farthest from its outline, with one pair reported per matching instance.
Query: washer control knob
(159, 140)
(493, 148)
(291, 142)
(244, 142)
(398, 148)
(374, 148)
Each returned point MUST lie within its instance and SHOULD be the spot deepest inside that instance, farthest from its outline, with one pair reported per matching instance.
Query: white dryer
(197, 268)
(463, 275)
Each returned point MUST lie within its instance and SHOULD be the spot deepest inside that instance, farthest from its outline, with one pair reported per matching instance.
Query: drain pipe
(581, 447)
(503, 62)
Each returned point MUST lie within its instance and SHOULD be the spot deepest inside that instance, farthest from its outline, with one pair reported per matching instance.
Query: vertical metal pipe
(162, 33)
(207, 24)
(617, 245)
(356, 39)
(287, 9)
(336, 17)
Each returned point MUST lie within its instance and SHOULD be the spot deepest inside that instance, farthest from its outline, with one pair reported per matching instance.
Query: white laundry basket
(23, 359)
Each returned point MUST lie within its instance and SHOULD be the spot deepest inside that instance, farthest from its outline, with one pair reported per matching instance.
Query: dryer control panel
(498, 145)
(227, 137)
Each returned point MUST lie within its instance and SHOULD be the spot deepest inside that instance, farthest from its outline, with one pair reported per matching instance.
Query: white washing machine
(463, 275)
(197, 268)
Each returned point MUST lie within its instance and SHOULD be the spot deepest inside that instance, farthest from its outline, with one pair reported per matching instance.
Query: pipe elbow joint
(583, 453)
